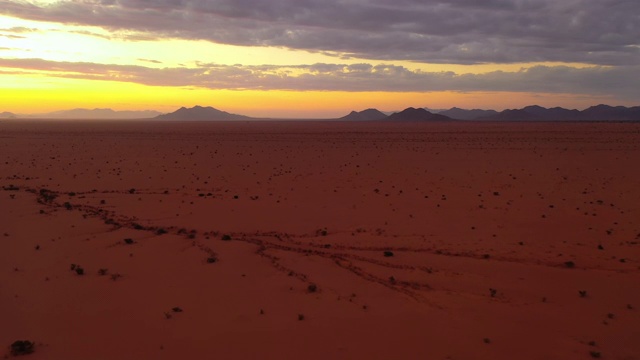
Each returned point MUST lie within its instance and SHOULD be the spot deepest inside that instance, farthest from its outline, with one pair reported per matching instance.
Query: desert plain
(320, 240)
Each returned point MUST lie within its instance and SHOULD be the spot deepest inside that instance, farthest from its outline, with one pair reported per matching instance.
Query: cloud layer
(603, 32)
(613, 81)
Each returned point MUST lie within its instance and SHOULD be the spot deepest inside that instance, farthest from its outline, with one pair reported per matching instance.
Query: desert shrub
(47, 196)
(226, 237)
(103, 272)
(79, 270)
(176, 309)
(570, 264)
(67, 205)
(388, 253)
(595, 354)
(312, 288)
(582, 293)
(211, 260)
(493, 292)
(300, 317)
(128, 241)
(161, 231)
(22, 347)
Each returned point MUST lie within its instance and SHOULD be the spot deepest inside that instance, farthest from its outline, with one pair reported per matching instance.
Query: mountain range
(77, 114)
(528, 113)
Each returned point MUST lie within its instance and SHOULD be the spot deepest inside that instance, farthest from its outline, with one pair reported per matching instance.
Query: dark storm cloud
(603, 32)
(620, 82)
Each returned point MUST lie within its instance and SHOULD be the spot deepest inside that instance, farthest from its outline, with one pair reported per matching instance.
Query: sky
(317, 58)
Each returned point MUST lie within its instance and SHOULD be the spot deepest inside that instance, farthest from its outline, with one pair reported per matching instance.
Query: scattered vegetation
(47, 196)
(595, 354)
(128, 241)
(493, 292)
(103, 272)
(300, 317)
(312, 288)
(226, 237)
(22, 347)
(582, 293)
(569, 264)
(176, 309)
(77, 268)
(388, 253)
(211, 260)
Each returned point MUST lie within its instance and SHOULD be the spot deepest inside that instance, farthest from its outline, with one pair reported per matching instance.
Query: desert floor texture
(320, 240)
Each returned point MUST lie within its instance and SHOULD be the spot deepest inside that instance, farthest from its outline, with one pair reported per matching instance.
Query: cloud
(620, 82)
(603, 32)
(150, 61)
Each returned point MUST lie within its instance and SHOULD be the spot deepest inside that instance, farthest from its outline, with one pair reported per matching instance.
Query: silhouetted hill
(463, 114)
(413, 114)
(103, 114)
(7, 115)
(612, 113)
(199, 113)
(594, 113)
(365, 115)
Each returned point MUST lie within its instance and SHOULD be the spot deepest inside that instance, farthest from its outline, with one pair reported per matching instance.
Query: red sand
(463, 207)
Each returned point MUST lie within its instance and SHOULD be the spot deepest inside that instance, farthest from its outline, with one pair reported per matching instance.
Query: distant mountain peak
(7, 115)
(365, 115)
(200, 113)
(420, 114)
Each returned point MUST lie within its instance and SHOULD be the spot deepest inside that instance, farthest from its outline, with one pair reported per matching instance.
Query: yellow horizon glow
(41, 95)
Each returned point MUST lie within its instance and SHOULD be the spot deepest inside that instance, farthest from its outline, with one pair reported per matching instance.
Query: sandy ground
(342, 240)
